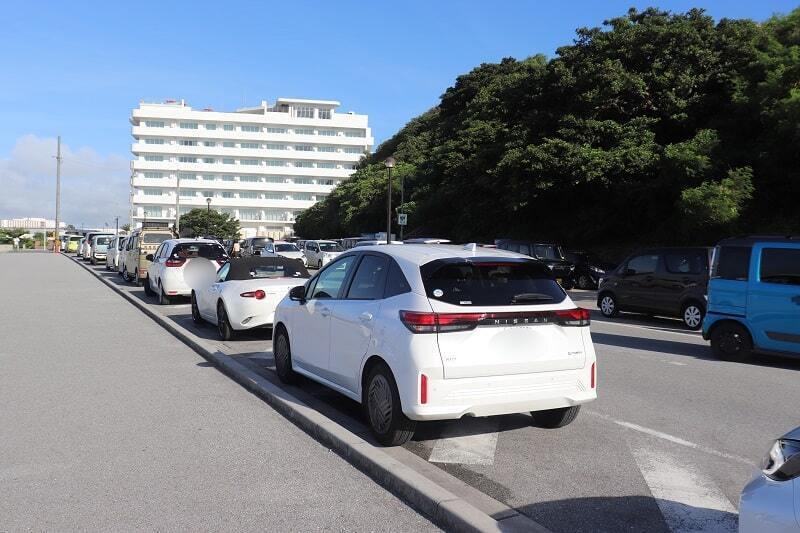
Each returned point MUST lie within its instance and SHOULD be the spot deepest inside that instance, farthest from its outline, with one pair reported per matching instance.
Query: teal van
(754, 298)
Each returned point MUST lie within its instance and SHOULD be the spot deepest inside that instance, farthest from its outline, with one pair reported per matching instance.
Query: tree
(201, 222)
(125, 227)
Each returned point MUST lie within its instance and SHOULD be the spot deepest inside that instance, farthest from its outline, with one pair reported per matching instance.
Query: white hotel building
(263, 165)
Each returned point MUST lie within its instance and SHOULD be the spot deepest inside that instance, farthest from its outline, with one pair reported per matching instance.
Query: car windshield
(547, 251)
(260, 243)
(286, 248)
(490, 282)
(194, 249)
(103, 241)
(330, 247)
(155, 238)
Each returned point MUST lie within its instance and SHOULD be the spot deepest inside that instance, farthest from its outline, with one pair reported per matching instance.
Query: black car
(659, 281)
(589, 269)
(552, 255)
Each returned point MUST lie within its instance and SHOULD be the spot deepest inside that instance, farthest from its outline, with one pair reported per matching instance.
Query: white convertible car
(245, 292)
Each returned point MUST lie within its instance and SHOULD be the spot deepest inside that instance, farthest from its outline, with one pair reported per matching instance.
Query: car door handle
(365, 317)
(324, 311)
(796, 299)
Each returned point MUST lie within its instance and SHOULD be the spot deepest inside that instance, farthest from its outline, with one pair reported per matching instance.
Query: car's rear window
(205, 250)
(103, 241)
(330, 247)
(490, 282)
(286, 248)
(155, 238)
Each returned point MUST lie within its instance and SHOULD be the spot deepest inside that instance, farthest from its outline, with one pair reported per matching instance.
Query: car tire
(731, 341)
(226, 332)
(196, 317)
(319, 264)
(692, 315)
(282, 353)
(136, 279)
(389, 425)
(126, 275)
(555, 418)
(585, 282)
(93, 261)
(608, 305)
(163, 299)
(148, 290)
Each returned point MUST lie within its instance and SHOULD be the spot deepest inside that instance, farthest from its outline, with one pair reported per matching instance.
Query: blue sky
(78, 68)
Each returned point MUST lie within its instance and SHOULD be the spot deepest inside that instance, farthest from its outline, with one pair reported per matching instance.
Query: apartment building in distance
(263, 165)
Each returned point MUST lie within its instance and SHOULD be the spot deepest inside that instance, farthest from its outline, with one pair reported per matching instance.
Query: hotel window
(349, 166)
(324, 182)
(186, 176)
(209, 143)
(271, 214)
(211, 126)
(209, 160)
(248, 127)
(274, 196)
(324, 113)
(304, 164)
(353, 150)
(304, 196)
(227, 194)
(304, 112)
(188, 125)
(154, 123)
(250, 145)
(355, 134)
(184, 142)
(249, 214)
(327, 133)
(228, 127)
(186, 159)
(326, 149)
(248, 195)
(154, 158)
(185, 210)
(209, 177)
(276, 130)
(303, 131)
(274, 163)
(249, 162)
(208, 194)
(250, 179)
(153, 175)
(227, 177)
(154, 141)
(326, 165)
(228, 144)
(274, 179)
(303, 148)
(152, 192)
(276, 147)
(304, 181)
(188, 194)
(152, 211)
(228, 161)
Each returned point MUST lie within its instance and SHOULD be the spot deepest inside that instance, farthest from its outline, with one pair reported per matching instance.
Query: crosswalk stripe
(470, 441)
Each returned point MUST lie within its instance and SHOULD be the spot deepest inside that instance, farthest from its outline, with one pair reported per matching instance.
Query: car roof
(793, 434)
(323, 240)
(185, 240)
(425, 253)
(750, 240)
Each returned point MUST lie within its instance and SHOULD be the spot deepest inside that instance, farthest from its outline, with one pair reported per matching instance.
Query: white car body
(85, 249)
(316, 255)
(123, 254)
(770, 503)
(288, 250)
(113, 252)
(245, 307)
(165, 273)
(543, 361)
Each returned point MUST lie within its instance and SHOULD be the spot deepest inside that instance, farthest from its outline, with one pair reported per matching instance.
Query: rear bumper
(500, 395)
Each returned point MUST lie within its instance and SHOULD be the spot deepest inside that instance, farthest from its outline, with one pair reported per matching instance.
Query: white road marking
(673, 439)
(470, 441)
(648, 328)
(688, 502)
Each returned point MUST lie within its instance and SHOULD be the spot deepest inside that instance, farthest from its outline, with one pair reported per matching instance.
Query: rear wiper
(530, 297)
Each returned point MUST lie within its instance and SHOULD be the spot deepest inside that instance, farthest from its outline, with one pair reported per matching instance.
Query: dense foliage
(658, 127)
(204, 223)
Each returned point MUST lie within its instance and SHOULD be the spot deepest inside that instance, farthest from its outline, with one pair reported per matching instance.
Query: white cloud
(94, 188)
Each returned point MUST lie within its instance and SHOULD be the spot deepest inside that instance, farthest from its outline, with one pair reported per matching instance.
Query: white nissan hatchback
(434, 332)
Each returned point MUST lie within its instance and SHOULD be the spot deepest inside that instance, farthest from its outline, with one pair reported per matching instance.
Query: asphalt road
(108, 422)
(668, 446)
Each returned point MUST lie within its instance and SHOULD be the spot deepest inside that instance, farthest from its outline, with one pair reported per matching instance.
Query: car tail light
(423, 389)
(175, 262)
(258, 295)
(440, 322)
(573, 317)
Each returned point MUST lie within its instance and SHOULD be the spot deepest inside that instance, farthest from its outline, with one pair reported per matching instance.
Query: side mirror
(298, 294)
(149, 257)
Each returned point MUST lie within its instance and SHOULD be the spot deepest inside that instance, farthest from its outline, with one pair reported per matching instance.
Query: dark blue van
(754, 297)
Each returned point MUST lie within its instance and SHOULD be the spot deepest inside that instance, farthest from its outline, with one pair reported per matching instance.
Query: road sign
(402, 219)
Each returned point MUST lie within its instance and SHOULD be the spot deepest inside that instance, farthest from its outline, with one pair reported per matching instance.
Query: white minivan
(433, 332)
(317, 254)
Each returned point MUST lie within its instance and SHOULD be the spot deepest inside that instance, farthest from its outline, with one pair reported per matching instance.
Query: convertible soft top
(266, 267)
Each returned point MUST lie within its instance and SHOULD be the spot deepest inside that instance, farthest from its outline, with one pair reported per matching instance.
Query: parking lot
(669, 444)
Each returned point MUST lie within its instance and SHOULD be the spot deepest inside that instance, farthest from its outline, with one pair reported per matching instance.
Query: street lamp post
(389, 165)
(402, 203)
(208, 215)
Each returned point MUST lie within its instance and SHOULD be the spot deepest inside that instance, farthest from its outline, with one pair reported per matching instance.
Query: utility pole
(116, 227)
(56, 242)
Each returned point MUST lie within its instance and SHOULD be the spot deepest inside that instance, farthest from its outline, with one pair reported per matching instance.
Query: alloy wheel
(692, 316)
(607, 305)
(380, 404)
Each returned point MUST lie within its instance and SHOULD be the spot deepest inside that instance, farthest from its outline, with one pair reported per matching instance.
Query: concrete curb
(441, 506)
